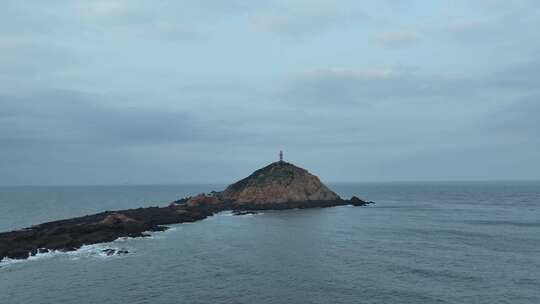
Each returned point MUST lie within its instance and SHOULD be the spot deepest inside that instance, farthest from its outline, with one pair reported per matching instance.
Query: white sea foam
(86, 251)
(40, 256)
(96, 251)
(230, 213)
(90, 251)
(250, 214)
(171, 229)
(215, 216)
(7, 261)
(224, 213)
(157, 235)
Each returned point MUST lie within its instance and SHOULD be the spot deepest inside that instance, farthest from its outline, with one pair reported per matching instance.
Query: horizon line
(227, 183)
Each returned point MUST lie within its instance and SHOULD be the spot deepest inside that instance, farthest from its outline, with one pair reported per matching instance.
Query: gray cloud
(301, 19)
(143, 19)
(474, 30)
(70, 137)
(32, 59)
(363, 87)
(524, 75)
(516, 123)
(73, 118)
(398, 39)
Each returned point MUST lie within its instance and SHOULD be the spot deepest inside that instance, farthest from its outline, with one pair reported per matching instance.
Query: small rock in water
(245, 212)
(355, 201)
(110, 252)
(160, 228)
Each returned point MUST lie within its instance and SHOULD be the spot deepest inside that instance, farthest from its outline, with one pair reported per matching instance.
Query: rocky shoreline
(278, 186)
(72, 234)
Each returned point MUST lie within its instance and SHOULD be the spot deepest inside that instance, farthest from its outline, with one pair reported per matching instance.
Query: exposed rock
(18, 253)
(279, 182)
(203, 199)
(355, 201)
(179, 202)
(116, 219)
(110, 252)
(244, 212)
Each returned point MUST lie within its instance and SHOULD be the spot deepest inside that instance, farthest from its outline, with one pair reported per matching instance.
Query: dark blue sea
(473, 242)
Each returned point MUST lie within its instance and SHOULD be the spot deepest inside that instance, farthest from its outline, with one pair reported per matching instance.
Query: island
(280, 185)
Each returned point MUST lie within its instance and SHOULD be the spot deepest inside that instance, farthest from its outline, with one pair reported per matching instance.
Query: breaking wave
(87, 251)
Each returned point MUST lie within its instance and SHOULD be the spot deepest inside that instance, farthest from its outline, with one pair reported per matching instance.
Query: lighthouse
(280, 156)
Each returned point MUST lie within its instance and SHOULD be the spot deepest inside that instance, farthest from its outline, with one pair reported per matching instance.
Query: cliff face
(279, 182)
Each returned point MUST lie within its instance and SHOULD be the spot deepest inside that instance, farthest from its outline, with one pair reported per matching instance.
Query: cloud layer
(116, 91)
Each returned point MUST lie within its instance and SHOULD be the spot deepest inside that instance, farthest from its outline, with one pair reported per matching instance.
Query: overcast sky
(132, 91)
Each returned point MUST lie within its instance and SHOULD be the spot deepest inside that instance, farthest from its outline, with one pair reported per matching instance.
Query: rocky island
(280, 185)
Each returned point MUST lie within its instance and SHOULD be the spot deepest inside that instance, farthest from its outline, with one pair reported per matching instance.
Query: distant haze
(133, 91)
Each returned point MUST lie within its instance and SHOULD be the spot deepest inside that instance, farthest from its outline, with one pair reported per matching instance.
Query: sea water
(455, 242)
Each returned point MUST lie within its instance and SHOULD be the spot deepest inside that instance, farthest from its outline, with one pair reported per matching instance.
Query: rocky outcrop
(71, 234)
(203, 199)
(279, 185)
(355, 201)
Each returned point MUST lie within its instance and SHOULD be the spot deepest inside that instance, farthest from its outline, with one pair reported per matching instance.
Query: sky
(181, 92)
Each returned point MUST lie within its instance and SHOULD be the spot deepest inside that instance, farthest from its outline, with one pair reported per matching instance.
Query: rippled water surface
(421, 243)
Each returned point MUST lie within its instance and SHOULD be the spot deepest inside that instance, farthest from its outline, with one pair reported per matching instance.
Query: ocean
(439, 242)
